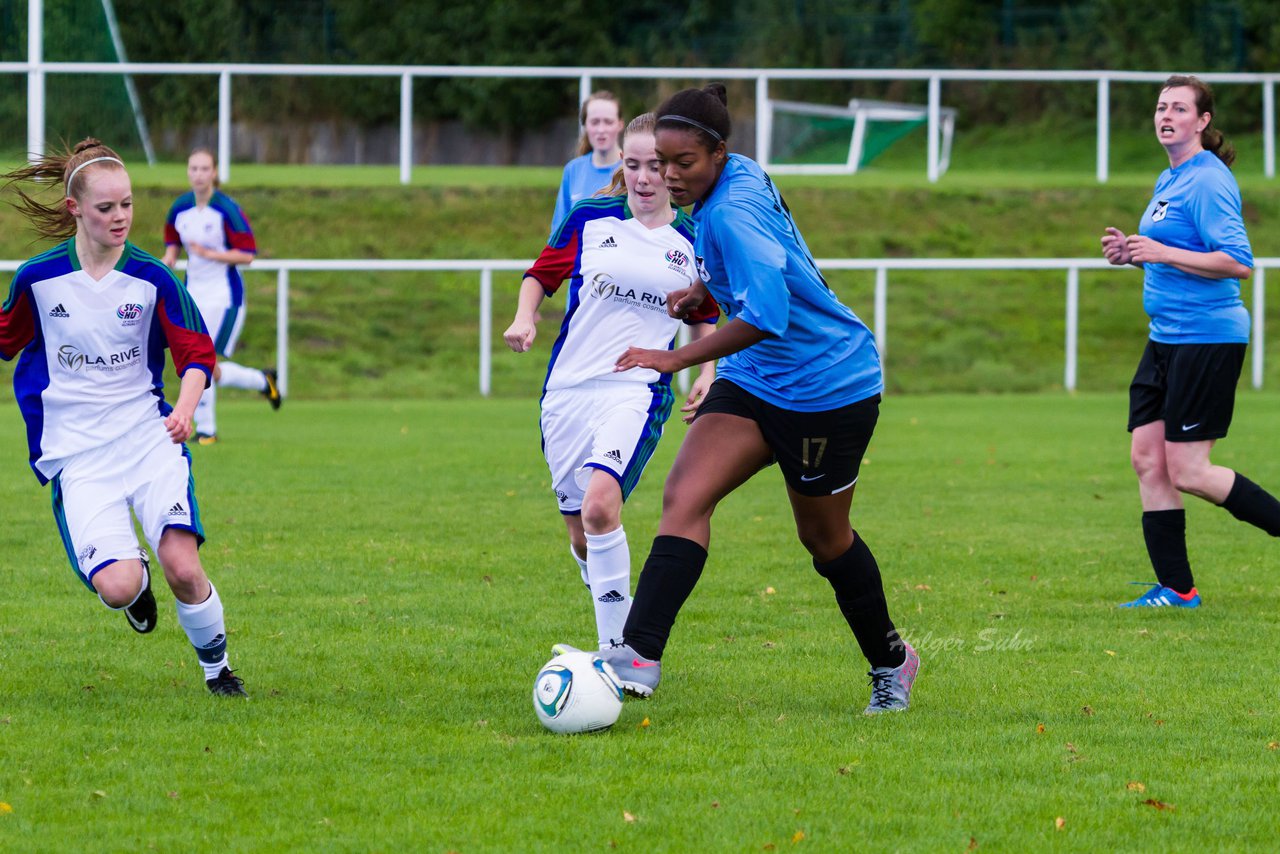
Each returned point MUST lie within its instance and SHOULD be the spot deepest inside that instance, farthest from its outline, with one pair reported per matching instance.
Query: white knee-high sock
(609, 567)
(582, 566)
(204, 627)
(238, 376)
(206, 418)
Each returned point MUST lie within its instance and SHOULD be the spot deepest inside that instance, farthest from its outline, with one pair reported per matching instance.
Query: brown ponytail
(55, 220)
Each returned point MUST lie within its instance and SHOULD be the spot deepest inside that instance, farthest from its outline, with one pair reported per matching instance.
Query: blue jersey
(818, 355)
(1196, 207)
(581, 180)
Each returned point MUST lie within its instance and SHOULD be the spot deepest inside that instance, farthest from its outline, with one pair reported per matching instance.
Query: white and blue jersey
(215, 286)
(92, 351)
(620, 273)
(1196, 206)
(582, 179)
(818, 355)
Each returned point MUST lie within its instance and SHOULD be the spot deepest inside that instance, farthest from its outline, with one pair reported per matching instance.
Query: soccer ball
(577, 692)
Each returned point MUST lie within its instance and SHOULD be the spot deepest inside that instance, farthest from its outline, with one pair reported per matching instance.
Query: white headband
(86, 163)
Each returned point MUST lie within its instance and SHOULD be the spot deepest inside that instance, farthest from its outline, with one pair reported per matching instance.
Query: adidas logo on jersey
(616, 456)
(177, 510)
(609, 243)
(611, 597)
(59, 311)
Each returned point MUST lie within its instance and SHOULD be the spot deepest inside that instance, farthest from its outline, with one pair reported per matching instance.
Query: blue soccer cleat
(1160, 596)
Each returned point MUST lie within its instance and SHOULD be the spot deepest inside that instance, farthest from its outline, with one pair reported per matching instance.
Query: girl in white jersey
(622, 255)
(216, 234)
(90, 321)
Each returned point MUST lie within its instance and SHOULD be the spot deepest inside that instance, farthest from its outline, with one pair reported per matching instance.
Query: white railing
(879, 315)
(36, 69)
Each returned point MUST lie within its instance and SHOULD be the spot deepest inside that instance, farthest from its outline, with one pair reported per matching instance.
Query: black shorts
(819, 452)
(1190, 387)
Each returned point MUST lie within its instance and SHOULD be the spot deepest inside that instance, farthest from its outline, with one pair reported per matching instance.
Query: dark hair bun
(717, 89)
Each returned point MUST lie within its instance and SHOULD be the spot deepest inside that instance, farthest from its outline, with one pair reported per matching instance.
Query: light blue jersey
(580, 181)
(1196, 207)
(818, 355)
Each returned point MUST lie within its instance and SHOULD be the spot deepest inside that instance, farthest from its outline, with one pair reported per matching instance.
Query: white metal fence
(878, 318)
(36, 69)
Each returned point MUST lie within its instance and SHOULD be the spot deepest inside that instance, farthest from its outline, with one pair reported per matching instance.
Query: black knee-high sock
(1166, 534)
(855, 577)
(669, 576)
(1250, 503)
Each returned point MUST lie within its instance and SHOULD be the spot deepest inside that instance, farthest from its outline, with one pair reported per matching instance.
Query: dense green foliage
(1189, 35)
(394, 574)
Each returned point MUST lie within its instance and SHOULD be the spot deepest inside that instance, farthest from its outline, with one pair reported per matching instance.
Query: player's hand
(697, 394)
(179, 426)
(199, 251)
(662, 361)
(1144, 250)
(1115, 247)
(684, 300)
(520, 334)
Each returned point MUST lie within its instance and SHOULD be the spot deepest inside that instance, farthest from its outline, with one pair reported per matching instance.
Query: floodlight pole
(35, 79)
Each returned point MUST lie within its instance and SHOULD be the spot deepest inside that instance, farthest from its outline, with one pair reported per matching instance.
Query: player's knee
(600, 516)
(118, 583)
(1188, 478)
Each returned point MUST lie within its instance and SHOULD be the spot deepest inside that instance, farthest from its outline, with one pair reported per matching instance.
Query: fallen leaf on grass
(1160, 805)
(923, 587)
(1087, 711)
(98, 793)
(627, 817)
(973, 844)
(798, 836)
(1273, 745)
(1039, 728)
(171, 794)
(1135, 786)
(644, 723)
(1109, 651)
(715, 805)
(1059, 823)
(770, 591)
(5, 809)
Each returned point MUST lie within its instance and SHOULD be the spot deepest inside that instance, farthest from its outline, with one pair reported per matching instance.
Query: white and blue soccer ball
(577, 692)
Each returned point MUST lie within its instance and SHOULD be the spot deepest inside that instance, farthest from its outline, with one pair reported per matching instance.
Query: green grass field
(394, 574)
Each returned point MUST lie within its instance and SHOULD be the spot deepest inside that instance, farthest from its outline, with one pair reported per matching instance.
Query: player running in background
(1193, 250)
(622, 254)
(91, 319)
(799, 383)
(216, 234)
(598, 153)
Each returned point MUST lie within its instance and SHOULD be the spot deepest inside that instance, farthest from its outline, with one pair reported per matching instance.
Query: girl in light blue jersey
(798, 384)
(598, 153)
(1192, 247)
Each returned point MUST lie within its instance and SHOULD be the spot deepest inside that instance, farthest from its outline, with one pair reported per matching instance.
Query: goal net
(820, 139)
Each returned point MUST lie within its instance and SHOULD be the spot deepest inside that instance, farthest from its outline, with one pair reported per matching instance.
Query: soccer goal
(817, 139)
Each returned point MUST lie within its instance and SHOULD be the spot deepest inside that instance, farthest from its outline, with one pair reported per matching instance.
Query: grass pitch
(394, 574)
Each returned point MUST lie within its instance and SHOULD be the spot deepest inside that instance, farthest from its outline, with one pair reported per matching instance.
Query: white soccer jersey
(92, 358)
(220, 225)
(620, 274)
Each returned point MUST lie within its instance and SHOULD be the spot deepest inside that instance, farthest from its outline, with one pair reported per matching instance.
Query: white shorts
(95, 490)
(224, 322)
(610, 426)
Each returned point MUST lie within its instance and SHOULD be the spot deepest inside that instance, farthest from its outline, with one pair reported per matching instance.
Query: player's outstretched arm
(524, 328)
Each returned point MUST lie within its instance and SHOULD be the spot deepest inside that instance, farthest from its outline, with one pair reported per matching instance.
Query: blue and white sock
(204, 627)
